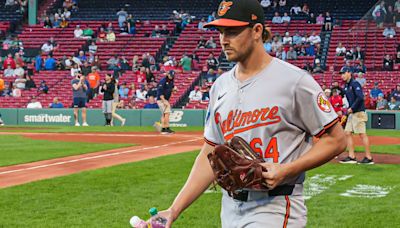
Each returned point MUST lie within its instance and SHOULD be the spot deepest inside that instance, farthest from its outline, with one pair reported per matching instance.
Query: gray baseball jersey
(277, 112)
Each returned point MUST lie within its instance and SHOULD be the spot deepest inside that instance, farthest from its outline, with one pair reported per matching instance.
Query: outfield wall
(147, 117)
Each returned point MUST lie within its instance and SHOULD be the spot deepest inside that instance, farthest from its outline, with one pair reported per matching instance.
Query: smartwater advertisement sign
(46, 117)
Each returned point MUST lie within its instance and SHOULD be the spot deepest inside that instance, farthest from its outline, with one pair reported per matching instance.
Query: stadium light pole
(32, 12)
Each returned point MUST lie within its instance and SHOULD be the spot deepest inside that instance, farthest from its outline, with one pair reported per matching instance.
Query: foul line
(98, 156)
(93, 134)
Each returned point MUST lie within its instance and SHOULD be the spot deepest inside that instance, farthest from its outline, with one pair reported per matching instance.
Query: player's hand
(350, 110)
(170, 215)
(274, 174)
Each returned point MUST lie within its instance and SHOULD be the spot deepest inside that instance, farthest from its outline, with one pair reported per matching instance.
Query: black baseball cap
(171, 73)
(234, 13)
(345, 69)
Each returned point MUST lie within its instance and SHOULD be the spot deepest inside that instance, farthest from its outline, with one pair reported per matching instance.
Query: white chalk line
(98, 156)
(94, 134)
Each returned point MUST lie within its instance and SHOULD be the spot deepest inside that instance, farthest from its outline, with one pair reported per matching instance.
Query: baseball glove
(236, 166)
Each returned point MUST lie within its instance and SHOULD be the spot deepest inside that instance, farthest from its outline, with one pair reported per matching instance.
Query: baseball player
(277, 108)
(357, 118)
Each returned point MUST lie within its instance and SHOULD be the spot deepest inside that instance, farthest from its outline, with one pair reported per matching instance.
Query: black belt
(282, 190)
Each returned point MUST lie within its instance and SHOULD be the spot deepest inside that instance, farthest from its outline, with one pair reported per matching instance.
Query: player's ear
(257, 31)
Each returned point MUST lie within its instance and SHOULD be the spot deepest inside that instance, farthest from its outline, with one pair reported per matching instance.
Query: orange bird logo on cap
(223, 8)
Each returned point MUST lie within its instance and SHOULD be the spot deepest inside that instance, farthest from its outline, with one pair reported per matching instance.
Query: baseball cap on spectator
(236, 13)
(380, 95)
(327, 91)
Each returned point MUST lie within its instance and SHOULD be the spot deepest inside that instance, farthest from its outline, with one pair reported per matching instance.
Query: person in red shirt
(337, 102)
(94, 82)
(9, 61)
(19, 60)
(141, 76)
(102, 35)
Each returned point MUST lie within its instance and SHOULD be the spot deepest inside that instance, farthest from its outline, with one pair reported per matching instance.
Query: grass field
(16, 149)
(108, 197)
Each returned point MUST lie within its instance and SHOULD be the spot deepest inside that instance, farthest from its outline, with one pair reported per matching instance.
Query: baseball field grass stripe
(109, 197)
(16, 149)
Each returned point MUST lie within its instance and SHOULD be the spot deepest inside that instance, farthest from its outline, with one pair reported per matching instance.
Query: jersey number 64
(270, 152)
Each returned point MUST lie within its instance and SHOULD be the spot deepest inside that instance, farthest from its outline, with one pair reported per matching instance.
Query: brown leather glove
(236, 166)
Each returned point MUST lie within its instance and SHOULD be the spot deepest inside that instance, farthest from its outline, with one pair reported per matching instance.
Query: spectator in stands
(124, 30)
(360, 68)
(87, 32)
(212, 62)
(276, 43)
(102, 36)
(97, 62)
(317, 69)
(394, 104)
(50, 63)
(397, 57)
(43, 88)
(2, 85)
(205, 90)
(211, 17)
(389, 17)
(16, 92)
(328, 93)
(156, 33)
(396, 93)
(164, 31)
(20, 82)
(66, 14)
(210, 76)
(286, 18)
(359, 54)
(320, 19)
(47, 48)
(195, 95)
(19, 71)
(34, 104)
(78, 32)
(135, 63)
(268, 46)
(47, 23)
(314, 38)
(141, 93)
(340, 50)
(360, 79)
(110, 36)
(389, 32)
(397, 6)
(86, 68)
(328, 21)
(38, 62)
(277, 19)
(93, 48)
(287, 39)
(151, 104)
(8, 89)
(311, 19)
(9, 61)
(113, 62)
(152, 89)
(379, 13)
(336, 102)
(281, 53)
(388, 63)
(75, 69)
(8, 72)
(56, 103)
(375, 91)
(295, 10)
(291, 54)
(16, 45)
(201, 43)
(122, 16)
(186, 63)
(297, 39)
(64, 23)
(381, 102)
(82, 57)
(350, 54)
(7, 43)
(211, 43)
(132, 91)
(201, 24)
(124, 64)
(18, 60)
(123, 91)
(30, 83)
(109, 26)
(310, 49)
(141, 76)
(302, 52)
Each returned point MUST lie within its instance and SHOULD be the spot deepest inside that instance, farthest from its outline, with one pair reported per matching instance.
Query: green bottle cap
(153, 211)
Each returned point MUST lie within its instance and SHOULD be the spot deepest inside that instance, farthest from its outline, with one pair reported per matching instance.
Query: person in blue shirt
(50, 63)
(56, 104)
(310, 49)
(375, 91)
(357, 118)
(152, 103)
(38, 62)
(164, 91)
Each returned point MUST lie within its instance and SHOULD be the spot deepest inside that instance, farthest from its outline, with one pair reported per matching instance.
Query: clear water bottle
(156, 220)
(137, 222)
